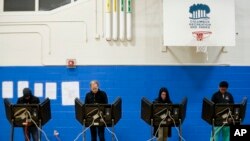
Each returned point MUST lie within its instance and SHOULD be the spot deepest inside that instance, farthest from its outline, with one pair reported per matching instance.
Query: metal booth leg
(180, 130)
(39, 132)
(84, 128)
(152, 129)
(113, 129)
(12, 132)
(213, 133)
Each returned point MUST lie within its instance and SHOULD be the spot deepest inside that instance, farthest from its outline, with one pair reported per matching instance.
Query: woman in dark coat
(163, 132)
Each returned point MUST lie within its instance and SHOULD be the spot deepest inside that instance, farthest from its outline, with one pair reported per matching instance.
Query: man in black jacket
(222, 96)
(28, 98)
(96, 96)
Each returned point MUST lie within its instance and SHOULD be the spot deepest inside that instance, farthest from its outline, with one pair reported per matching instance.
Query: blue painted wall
(131, 83)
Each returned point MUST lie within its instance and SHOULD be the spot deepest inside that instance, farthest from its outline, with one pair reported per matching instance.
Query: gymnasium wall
(35, 45)
(131, 83)
(70, 31)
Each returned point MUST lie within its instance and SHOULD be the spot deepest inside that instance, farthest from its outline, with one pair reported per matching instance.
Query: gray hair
(94, 82)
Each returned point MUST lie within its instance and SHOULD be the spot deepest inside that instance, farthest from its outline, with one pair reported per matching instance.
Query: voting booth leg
(12, 132)
(213, 131)
(83, 135)
(84, 128)
(113, 129)
(180, 130)
(151, 129)
(39, 132)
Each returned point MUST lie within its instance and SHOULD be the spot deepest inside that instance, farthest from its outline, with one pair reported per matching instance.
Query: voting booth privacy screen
(88, 114)
(199, 22)
(223, 114)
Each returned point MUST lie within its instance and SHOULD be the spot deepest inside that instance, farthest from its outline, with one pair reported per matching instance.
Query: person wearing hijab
(28, 98)
(163, 132)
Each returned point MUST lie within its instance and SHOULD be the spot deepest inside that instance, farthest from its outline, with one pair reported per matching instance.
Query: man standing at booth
(222, 96)
(28, 130)
(96, 96)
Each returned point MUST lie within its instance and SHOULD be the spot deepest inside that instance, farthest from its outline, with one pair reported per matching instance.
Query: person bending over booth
(96, 96)
(28, 98)
(222, 96)
(163, 132)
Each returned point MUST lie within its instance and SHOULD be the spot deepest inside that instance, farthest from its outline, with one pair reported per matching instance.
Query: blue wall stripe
(131, 83)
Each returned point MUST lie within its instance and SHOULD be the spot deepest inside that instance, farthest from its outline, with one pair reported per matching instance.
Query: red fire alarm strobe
(71, 63)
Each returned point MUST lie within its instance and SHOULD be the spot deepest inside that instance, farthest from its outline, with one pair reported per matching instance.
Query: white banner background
(177, 30)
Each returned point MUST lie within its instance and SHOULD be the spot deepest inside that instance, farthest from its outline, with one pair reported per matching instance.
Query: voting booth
(223, 114)
(19, 115)
(163, 114)
(105, 115)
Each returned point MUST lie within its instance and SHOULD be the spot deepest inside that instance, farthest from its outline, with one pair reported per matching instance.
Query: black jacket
(100, 97)
(160, 100)
(32, 100)
(218, 98)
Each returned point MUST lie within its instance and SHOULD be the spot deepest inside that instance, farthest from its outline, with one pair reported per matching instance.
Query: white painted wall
(49, 38)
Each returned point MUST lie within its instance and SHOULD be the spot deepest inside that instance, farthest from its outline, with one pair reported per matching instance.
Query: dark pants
(100, 131)
(30, 131)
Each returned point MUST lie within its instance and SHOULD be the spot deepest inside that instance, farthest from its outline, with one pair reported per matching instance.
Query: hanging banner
(199, 22)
